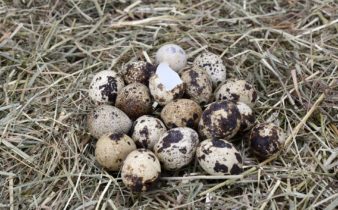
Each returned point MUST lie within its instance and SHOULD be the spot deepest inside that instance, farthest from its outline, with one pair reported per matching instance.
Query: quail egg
(247, 116)
(198, 85)
(147, 130)
(112, 149)
(141, 170)
(266, 139)
(107, 119)
(104, 86)
(213, 65)
(134, 100)
(138, 71)
(176, 147)
(219, 157)
(173, 55)
(237, 90)
(181, 113)
(166, 85)
(220, 120)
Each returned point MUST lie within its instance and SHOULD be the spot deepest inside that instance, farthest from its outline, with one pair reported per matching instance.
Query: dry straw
(49, 51)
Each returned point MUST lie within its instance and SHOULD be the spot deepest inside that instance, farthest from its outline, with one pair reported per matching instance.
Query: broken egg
(166, 85)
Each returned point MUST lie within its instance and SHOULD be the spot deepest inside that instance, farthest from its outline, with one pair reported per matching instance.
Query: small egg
(147, 130)
(141, 170)
(237, 90)
(219, 157)
(166, 85)
(181, 113)
(220, 120)
(213, 65)
(104, 86)
(266, 139)
(106, 119)
(176, 147)
(247, 116)
(134, 100)
(198, 85)
(173, 55)
(138, 71)
(112, 149)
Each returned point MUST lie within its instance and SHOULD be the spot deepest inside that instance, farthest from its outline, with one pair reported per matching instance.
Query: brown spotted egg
(266, 139)
(141, 170)
(181, 113)
(237, 90)
(166, 85)
(112, 149)
(147, 130)
(138, 71)
(104, 86)
(176, 147)
(134, 100)
(220, 120)
(106, 119)
(198, 85)
(173, 55)
(213, 65)
(247, 116)
(219, 157)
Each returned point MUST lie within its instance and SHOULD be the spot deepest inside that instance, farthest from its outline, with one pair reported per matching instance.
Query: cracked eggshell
(104, 86)
(106, 119)
(266, 139)
(166, 85)
(198, 85)
(134, 100)
(147, 130)
(220, 120)
(237, 90)
(141, 170)
(219, 157)
(112, 149)
(173, 55)
(138, 71)
(181, 113)
(176, 147)
(213, 65)
(247, 116)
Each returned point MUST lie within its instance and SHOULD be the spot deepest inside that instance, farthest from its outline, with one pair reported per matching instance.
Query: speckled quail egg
(247, 116)
(141, 170)
(213, 65)
(173, 55)
(107, 119)
(220, 120)
(104, 86)
(134, 100)
(198, 85)
(219, 157)
(181, 113)
(237, 90)
(176, 147)
(147, 130)
(266, 139)
(166, 85)
(112, 149)
(138, 71)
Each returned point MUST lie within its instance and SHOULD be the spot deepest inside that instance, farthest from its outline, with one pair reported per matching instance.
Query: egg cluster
(165, 115)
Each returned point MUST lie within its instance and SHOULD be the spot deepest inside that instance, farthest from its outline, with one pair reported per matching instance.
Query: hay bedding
(49, 51)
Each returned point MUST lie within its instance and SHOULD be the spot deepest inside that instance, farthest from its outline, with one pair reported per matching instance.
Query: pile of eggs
(163, 116)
